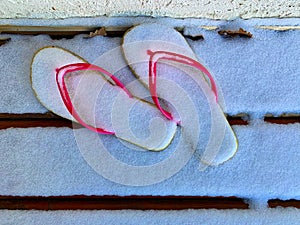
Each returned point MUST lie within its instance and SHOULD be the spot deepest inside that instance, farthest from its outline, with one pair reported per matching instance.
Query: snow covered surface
(213, 9)
(276, 216)
(48, 161)
(256, 76)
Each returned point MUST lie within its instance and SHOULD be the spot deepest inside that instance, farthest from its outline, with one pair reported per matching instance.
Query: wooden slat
(118, 203)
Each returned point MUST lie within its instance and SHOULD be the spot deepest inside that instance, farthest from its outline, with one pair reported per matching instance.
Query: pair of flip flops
(164, 63)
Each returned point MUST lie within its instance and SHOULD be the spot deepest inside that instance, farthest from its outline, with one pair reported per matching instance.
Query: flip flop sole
(222, 144)
(99, 102)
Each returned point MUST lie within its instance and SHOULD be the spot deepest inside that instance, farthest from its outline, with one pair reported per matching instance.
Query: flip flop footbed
(98, 102)
(221, 143)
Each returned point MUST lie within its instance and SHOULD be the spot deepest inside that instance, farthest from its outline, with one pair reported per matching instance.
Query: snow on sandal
(163, 61)
(72, 88)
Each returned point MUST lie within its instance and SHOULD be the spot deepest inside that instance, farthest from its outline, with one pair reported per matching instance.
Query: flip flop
(156, 53)
(87, 94)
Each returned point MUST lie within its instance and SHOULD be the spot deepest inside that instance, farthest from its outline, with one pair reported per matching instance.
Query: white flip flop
(91, 96)
(157, 53)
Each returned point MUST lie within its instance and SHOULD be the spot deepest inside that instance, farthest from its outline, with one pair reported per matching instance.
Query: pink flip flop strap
(60, 80)
(159, 55)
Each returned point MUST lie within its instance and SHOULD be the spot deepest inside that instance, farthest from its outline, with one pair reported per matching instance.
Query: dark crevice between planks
(51, 120)
(33, 120)
(284, 119)
(4, 40)
(118, 203)
(97, 32)
(235, 33)
(67, 32)
(238, 119)
(191, 37)
(61, 36)
(195, 37)
(273, 203)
